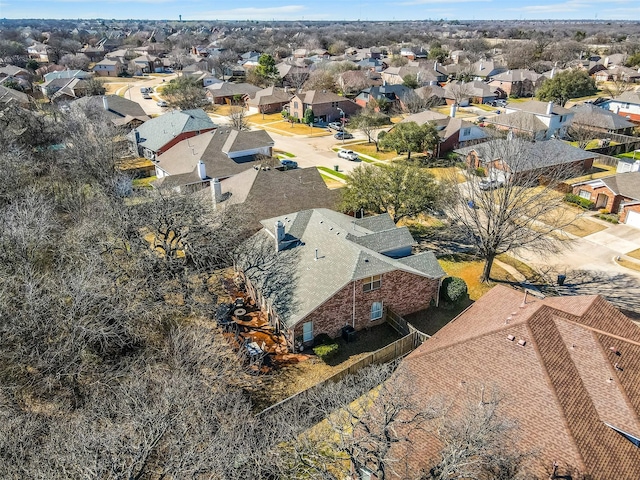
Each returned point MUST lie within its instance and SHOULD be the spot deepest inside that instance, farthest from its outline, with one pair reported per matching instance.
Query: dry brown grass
(580, 227)
(634, 254)
(369, 149)
(470, 270)
(598, 170)
(446, 173)
(332, 183)
(628, 264)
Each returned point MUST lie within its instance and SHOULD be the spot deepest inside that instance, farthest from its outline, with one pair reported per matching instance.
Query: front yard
(369, 149)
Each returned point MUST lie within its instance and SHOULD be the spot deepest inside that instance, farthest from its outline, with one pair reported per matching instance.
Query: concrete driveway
(620, 238)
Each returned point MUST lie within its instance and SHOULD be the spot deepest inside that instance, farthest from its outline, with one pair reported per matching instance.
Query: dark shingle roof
(625, 184)
(593, 116)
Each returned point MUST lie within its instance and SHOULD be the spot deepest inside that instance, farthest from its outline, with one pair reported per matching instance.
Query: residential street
(132, 92)
(314, 152)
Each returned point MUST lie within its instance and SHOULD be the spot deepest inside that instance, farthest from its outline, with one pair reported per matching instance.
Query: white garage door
(633, 219)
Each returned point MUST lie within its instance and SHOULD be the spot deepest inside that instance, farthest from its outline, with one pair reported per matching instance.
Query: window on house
(372, 283)
(334, 104)
(466, 131)
(562, 118)
(376, 310)
(585, 194)
(295, 104)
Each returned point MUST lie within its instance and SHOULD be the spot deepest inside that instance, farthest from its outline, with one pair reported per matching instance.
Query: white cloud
(441, 2)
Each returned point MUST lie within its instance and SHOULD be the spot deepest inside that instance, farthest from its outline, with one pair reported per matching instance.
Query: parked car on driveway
(335, 126)
(343, 136)
(490, 184)
(348, 154)
(162, 103)
(288, 164)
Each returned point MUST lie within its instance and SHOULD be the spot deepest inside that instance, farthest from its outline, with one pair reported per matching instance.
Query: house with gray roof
(228, 92)
(514, 158)
(159, 134)
(317, 271)
(517, 82)
(194, 162)
(618, 193)
(122, 111)
(599, 119)
(556, 118)
(627, 105)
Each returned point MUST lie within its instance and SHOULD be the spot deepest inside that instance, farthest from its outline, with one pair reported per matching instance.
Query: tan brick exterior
(403, 292)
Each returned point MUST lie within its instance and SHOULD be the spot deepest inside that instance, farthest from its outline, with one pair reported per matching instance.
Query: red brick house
(159, 134)
(565, 370)
(512, 158)
(617, 194)
(326, 105)
(316, 271)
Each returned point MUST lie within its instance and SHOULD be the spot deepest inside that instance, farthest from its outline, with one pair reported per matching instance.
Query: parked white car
(348, 154)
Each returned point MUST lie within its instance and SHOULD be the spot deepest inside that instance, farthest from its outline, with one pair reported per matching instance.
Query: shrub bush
(325, 347)
(577, 200)
(453, 289)
(479, 172)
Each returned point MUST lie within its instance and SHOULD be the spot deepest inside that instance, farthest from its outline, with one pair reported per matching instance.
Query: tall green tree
(566, 85)
(267, 67)
(401, 190)
(410, 137)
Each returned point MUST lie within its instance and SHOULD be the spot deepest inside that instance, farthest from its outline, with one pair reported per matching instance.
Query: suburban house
(512, 158)
(293, 74)
(66, 74)
(524, 124)
(327, 106)
(425, 74)
(9, 95)
(268, 100)
(564, 370)
(193, 162)
(17, 75)
(557, 119)
(121, 111)
(599, 119)
(471, 92)
(159, 134)
(519, 82)
(229, 93)
(618, 73)
(108, 68)
(453, 132)
(626, 104)
(38, 51)
(64, 89)
(393, 95)
(143, 64)
(618, 193)
(267, 191)
(317, 271)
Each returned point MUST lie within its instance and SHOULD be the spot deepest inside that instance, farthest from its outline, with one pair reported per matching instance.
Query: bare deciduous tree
(238, 118)
(524, 212)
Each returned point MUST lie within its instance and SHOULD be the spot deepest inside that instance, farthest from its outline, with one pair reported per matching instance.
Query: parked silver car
(348, 154)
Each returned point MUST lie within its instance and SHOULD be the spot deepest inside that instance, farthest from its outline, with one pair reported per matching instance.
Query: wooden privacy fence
(403, 327)
(394, 350)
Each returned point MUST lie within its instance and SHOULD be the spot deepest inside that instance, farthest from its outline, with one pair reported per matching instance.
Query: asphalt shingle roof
(561, 387)
(340, 260)
(157, 132)
(625, 184)
(521, 155)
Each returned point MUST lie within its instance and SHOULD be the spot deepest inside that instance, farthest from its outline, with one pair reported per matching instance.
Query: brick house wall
(626, 210)
(403, 292)
(176, 140)
(327, 110)
(613, 201)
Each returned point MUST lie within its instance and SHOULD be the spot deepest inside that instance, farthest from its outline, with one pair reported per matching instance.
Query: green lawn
(332, 172)
(631, 155)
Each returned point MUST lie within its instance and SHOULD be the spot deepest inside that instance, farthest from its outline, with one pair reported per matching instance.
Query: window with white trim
(376, 310)
(372, 283)
(585, 194)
